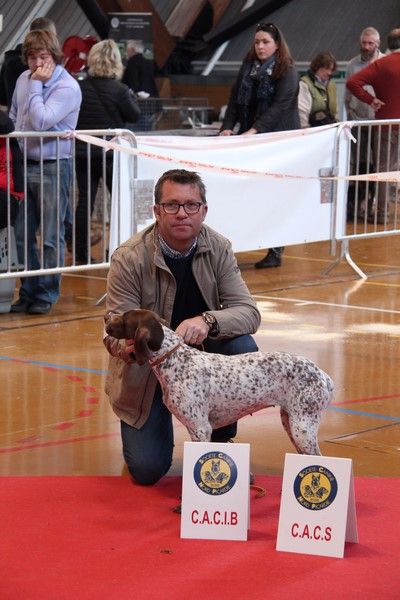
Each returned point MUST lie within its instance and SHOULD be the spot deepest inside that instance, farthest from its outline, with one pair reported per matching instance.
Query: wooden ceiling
(175, 25)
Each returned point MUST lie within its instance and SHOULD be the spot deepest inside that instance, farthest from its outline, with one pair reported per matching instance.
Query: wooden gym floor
(55, 417)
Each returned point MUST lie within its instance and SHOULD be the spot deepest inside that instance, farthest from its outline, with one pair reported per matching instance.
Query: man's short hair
(43, 23)
(136, 45)
(40, 40)
(182, 177)
(393, 39)
(371, 31)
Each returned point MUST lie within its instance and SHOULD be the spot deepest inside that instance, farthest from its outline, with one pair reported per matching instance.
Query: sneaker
(20, 306)
(39, 307)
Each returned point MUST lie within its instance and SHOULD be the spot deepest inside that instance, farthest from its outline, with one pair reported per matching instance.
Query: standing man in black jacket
(139, 76)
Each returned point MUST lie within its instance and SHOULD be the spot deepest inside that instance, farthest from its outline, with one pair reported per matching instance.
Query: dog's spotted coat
(206, 391)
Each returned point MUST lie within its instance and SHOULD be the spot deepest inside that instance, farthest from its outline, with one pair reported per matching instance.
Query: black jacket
(11, 69)
(139, 75)
(281, 115)
(106, 104)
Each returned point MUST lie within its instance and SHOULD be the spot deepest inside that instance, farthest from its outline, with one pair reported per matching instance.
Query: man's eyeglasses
(172, 208)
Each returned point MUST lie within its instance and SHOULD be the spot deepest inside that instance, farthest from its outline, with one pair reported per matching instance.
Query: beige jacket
(139, 278)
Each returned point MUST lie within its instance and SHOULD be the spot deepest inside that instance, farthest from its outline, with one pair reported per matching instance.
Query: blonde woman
(107, 103)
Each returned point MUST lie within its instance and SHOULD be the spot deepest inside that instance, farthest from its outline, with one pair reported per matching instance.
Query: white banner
(272, 189)
(286, 203)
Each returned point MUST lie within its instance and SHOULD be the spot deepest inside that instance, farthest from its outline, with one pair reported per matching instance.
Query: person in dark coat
(107, 103)
(11, 69)
(264, 98)
(139, 77)
(12, 179)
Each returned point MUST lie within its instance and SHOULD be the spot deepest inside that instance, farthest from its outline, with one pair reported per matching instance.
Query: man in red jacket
(384, 76)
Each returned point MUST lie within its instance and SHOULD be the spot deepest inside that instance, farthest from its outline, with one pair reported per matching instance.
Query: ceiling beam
(251, 16)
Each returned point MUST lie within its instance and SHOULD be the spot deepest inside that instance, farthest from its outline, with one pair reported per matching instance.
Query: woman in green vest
(317, 95)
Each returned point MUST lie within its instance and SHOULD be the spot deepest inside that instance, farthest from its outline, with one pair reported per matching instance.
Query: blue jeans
(51, 230)
(148, 451)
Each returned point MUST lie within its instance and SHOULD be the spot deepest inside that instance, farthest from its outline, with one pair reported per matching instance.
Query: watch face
(209, 319)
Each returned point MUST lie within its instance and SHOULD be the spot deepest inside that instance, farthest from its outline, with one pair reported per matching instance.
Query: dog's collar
(160, 359)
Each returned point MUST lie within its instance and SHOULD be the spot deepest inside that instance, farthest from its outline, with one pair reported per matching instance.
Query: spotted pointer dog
(206, 391)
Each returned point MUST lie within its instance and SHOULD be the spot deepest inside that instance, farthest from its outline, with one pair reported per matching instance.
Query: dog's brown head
(141, 326)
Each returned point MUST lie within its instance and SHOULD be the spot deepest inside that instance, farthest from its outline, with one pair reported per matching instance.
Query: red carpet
(84, 538)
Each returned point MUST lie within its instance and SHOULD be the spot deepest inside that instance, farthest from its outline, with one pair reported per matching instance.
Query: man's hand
(250, 131)
(194, 331)
(44, 72)
(126, 348)
(226, 132)
(377, 104)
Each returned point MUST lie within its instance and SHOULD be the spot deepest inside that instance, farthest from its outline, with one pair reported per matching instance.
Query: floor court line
(361, 413)
(104, 372)
(331, 304)
(10, 449)
(367, 399)
(39, 363)
(361, 431)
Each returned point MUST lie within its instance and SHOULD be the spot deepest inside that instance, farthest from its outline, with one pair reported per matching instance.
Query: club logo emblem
(315, 487)
(215, 473)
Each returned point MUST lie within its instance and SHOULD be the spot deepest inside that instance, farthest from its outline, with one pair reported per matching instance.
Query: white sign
(317, 513)
(292, 207)
(215, 494)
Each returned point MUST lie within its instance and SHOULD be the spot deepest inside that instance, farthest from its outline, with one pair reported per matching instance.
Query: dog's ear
(148, 338)
(131, 320)
(152, 321)
(141, 339)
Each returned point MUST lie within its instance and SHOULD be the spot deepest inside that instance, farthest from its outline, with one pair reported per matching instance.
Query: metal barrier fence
(191, 115)
(366, 208)
(370, 208)
(90, 165)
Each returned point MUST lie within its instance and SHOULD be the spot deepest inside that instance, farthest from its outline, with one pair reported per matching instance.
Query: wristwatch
(212, 323)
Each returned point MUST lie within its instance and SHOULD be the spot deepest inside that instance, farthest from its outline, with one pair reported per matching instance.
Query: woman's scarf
(257, 83)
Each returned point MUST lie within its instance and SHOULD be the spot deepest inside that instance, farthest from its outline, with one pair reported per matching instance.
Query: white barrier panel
(317, 513)
(215, 491)
(257, 211)
(122, 218)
